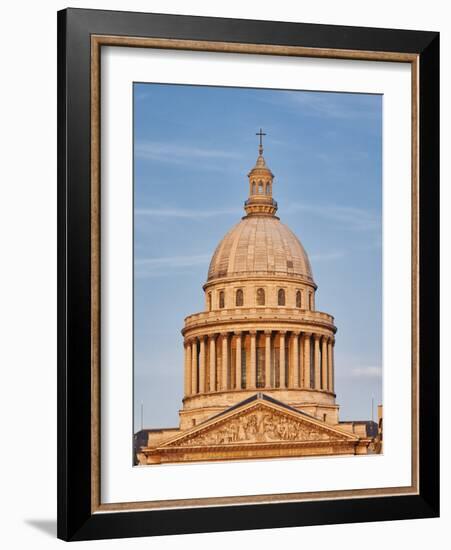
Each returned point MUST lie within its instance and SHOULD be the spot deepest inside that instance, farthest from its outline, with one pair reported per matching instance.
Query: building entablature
(231, 330)
(298, 397)
(264, 277)
(245, 319)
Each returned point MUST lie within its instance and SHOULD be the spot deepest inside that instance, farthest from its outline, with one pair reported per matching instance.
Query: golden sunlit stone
(259, 360)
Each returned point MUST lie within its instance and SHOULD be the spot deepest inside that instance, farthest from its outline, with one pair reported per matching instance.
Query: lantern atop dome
(260, 201)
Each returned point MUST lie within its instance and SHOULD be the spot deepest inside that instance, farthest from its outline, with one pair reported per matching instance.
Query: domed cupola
(260, 245)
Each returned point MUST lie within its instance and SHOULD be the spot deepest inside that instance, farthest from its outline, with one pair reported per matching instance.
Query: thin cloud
(148, 267)
(366, 372)
(327, 256)
(335, 105)
(141, 96)
(185, 213)
(334, 157)
(328, 105)
(180, 153)
(349, 217)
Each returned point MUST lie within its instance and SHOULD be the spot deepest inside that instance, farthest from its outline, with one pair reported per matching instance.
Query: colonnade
(299, 360)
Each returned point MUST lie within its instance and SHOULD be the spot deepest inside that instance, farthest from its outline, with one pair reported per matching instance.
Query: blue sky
(193, 147)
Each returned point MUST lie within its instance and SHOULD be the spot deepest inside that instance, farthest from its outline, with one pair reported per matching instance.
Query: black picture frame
(76, 520)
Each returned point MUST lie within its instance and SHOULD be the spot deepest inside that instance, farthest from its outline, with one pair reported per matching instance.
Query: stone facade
(259, 361)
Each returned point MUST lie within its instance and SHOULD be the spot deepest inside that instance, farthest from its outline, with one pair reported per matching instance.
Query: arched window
(260, 187)
(253, 187)
(221, 299)
(260, 296)
(209, 301)
(310, 300)
(298, 299)
(267, 188)
(239, 297)
(281, 297)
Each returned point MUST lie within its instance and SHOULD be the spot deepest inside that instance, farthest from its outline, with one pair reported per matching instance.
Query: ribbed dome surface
(260, 246)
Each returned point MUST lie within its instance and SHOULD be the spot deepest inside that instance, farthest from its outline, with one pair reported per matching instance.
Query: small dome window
(239, 298)
(221, 299)
(281, 297)
(260, 296)
(267, 188)
(260, 187)
(253, 187)
(299, 299)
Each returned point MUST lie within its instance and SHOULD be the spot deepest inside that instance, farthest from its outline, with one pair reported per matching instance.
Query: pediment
(259, 423)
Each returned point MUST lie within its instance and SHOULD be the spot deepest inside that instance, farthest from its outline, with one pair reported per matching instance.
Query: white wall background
(28, 269)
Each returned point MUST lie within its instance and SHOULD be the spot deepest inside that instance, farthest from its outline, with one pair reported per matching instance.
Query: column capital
(238, 332)
(268, 332)
(253, 332)
(282, 332)
(295, 332)
(317, 336)
(224, 334)
(307, 334)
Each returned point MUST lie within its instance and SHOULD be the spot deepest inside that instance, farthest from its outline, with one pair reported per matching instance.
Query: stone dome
(260, 246)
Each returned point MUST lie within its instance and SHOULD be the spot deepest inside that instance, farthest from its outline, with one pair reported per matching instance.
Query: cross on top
(261, 134)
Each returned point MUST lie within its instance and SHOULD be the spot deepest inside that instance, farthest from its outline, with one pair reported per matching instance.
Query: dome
(260, 245)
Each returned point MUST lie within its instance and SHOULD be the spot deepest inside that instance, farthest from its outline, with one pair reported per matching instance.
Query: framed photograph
(248, 274)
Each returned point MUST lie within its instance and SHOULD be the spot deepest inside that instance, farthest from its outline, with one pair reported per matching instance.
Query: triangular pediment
(259, 422)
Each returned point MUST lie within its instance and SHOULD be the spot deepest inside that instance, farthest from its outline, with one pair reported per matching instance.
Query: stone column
(332, 366)
(267, 358)
(238, 361)
(225, 360)
(253, 381)
(187, 369)
(202, 368)
(212, 362)
(282, 360)
(316, 362)
(329, 364)
(295, 340)
(324, 363)
(306, 345)
(194, 366)
(301, 360)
